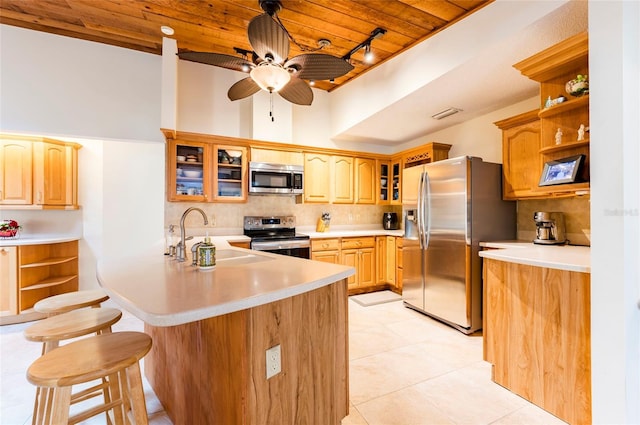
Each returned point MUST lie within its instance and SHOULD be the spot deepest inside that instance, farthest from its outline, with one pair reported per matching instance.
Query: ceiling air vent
(447, 112)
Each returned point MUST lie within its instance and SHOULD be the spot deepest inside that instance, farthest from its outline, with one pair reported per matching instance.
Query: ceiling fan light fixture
(270, 77)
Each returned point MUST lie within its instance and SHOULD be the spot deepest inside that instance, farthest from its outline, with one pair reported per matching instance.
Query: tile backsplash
(577, 217)
(227, 218)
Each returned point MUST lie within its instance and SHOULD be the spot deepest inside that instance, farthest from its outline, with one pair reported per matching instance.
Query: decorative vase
(577, 87)
(8, 233)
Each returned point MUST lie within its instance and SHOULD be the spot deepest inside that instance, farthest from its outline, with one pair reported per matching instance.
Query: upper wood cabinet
(38, 173)
(521, 163)
(396, 181)
(383, 174)
(206, 172)
(230, 174)
(342, 173)
(317, 178)
(275, 156)
(425, 154)
(553, 68)
(16, 178)
(365, 181)
(188, 171)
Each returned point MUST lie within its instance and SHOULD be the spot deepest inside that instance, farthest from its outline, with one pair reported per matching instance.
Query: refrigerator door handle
(420, 211)
(427, 210)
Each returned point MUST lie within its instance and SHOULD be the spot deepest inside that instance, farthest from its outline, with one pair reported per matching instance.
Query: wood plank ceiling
(220, 25)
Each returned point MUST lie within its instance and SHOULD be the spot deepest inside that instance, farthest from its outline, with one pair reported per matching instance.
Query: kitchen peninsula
(537, 311)
(212, 328)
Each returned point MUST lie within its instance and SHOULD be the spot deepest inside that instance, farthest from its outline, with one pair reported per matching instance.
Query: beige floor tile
(468, 396)
(373, 340)
(404, 407)
(529, 415)
(373, 376)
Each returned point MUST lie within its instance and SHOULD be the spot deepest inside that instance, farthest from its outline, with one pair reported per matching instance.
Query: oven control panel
(273, 222)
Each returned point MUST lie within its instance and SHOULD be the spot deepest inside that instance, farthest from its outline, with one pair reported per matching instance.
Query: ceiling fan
(270, 68)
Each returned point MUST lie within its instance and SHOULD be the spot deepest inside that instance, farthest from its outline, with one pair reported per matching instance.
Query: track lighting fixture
(368, 55)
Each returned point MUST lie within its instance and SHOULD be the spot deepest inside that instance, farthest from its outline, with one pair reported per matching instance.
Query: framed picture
(561, 171)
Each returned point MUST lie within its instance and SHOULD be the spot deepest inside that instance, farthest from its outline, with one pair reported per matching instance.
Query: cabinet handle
(39, 197)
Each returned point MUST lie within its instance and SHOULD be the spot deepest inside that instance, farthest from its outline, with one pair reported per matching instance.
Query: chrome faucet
(180, 248)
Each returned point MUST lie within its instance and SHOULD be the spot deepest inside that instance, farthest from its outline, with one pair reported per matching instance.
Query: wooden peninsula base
(537, 335)
(213, 371)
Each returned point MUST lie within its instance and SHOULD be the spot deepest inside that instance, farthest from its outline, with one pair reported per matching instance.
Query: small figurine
(581, 132)
(558, 137)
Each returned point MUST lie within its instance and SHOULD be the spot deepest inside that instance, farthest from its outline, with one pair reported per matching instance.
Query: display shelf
(49, 282)
(49, 262)
(564, 146)
(565, 106)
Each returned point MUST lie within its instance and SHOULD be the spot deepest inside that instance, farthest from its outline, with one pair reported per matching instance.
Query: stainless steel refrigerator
(448, 208)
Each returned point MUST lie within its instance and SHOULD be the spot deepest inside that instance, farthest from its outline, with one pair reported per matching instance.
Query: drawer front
(356, 243)
(325, 244)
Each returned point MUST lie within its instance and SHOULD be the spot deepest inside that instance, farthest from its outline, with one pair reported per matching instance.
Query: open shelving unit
(553, 68)
(46, 270)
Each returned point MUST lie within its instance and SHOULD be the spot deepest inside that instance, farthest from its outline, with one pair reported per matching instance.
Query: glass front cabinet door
(188, 175)
(230, 176)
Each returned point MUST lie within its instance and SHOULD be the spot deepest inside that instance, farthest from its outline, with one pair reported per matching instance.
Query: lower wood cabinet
(327, 250)
(359, 253)
(373, 257)
(8, 280)
(386, 260)
(537, 336)
(30, 273)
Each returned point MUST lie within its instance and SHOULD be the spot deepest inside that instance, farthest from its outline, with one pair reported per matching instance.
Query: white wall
(107, 99)
(477, 137)
(61, 86)
(614, 74)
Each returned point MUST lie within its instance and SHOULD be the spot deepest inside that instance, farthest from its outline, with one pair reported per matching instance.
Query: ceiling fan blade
(216, 59)
(297, 91)
(267, 37)
(319, 66)
(243, 88)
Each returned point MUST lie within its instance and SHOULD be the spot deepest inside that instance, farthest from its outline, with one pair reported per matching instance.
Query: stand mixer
(550, 228)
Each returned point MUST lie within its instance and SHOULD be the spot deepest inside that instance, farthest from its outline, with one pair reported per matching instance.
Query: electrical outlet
(274, 363)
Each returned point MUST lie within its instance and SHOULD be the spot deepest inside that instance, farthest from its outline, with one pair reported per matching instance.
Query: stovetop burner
(272, 228)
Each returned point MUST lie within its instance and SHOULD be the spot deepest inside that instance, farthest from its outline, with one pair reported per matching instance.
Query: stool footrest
(83, 416)
(89, 393)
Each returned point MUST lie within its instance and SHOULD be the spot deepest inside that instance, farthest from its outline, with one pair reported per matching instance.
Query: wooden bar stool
(115, 356)
(72, 324)
(71, 301)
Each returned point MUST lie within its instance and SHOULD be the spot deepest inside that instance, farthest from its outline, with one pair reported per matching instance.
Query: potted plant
(9, 228)
(578, 86)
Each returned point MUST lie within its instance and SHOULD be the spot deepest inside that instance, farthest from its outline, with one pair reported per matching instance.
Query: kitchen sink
(230, 257)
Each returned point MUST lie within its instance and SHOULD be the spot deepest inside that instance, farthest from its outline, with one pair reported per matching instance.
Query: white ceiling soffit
(468, 66)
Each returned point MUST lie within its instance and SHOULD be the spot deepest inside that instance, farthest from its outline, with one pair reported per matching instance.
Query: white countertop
(562, 257)
(346, 232)
(163, 292)
(23, 239)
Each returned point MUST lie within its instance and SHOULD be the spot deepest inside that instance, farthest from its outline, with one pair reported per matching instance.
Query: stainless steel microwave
(279, 179)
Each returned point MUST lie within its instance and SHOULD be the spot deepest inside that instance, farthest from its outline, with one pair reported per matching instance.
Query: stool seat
(70, 301)
(72, 324)
(113, 355)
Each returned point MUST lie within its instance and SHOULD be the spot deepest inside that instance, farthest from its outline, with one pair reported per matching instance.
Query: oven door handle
(273, 245)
